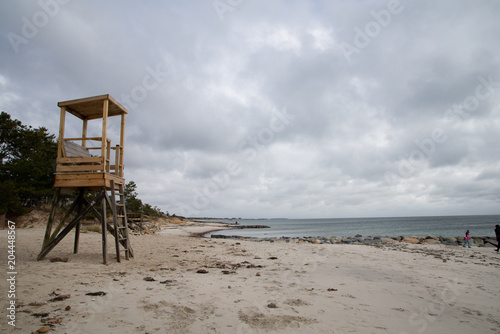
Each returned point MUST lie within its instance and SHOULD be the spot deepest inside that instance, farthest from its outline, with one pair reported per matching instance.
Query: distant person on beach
(467, 239)
(497, 233)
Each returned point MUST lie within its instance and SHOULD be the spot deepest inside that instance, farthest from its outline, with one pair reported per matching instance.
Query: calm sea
(445, 226)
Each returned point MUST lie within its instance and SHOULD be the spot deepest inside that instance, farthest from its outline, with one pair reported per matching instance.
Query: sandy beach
(182, 284)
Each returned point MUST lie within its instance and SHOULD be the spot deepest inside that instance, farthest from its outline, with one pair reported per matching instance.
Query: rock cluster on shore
(247, 226)
(359, 239)
(146, 227)
(153, 225)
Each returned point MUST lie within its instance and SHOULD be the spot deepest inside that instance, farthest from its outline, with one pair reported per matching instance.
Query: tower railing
(78, 159)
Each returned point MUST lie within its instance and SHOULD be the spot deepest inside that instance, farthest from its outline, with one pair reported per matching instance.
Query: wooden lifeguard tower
(96, 169)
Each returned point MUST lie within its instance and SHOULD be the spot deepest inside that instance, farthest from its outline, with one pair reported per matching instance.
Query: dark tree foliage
(147, 209)
(9, 201)
(27, 164)
(132, 203)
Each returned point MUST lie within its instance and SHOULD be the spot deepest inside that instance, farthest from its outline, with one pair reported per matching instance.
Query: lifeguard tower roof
(91, 107)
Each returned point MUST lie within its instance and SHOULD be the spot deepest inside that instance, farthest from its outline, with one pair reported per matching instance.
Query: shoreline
(477, 241)
(446, 226)
(429, 239)
(192, 228)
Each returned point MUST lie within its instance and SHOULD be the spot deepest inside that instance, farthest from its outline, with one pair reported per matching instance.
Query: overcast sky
(298, 109)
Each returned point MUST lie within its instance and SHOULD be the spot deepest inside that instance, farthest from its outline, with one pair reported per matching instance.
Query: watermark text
(31, 25)
(11, 273)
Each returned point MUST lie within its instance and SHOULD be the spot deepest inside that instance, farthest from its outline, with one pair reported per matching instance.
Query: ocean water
(445, 226)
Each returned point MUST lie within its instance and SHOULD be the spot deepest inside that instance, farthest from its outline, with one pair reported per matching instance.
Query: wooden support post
(104, 141)
(63, 220)
(48, 229)
(99, 217)
(68, 228)
(93, 210)
(104, 228)
(122, 145)
(77, 228)
(60, 150)
(84, 132)
(117, 159)
(108, 156)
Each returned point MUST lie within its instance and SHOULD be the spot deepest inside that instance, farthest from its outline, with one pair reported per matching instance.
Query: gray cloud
(263, 113)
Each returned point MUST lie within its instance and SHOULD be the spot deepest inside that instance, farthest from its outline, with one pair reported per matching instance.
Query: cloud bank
(277, 109)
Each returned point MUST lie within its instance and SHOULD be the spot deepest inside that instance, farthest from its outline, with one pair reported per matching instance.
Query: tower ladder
(120, 222)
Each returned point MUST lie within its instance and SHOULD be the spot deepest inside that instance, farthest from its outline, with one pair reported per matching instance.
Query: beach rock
(410, 240)
(450, 240)
(228, 272)
(431, 241)
(477, 241)
(60, 298)
(40, 315)
(388, 240)
(371, 241)
(43, 329)
(98, 293)
(360, 240)
(52, 321)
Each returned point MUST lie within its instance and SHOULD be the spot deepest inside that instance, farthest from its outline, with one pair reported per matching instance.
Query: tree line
(27, 165)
